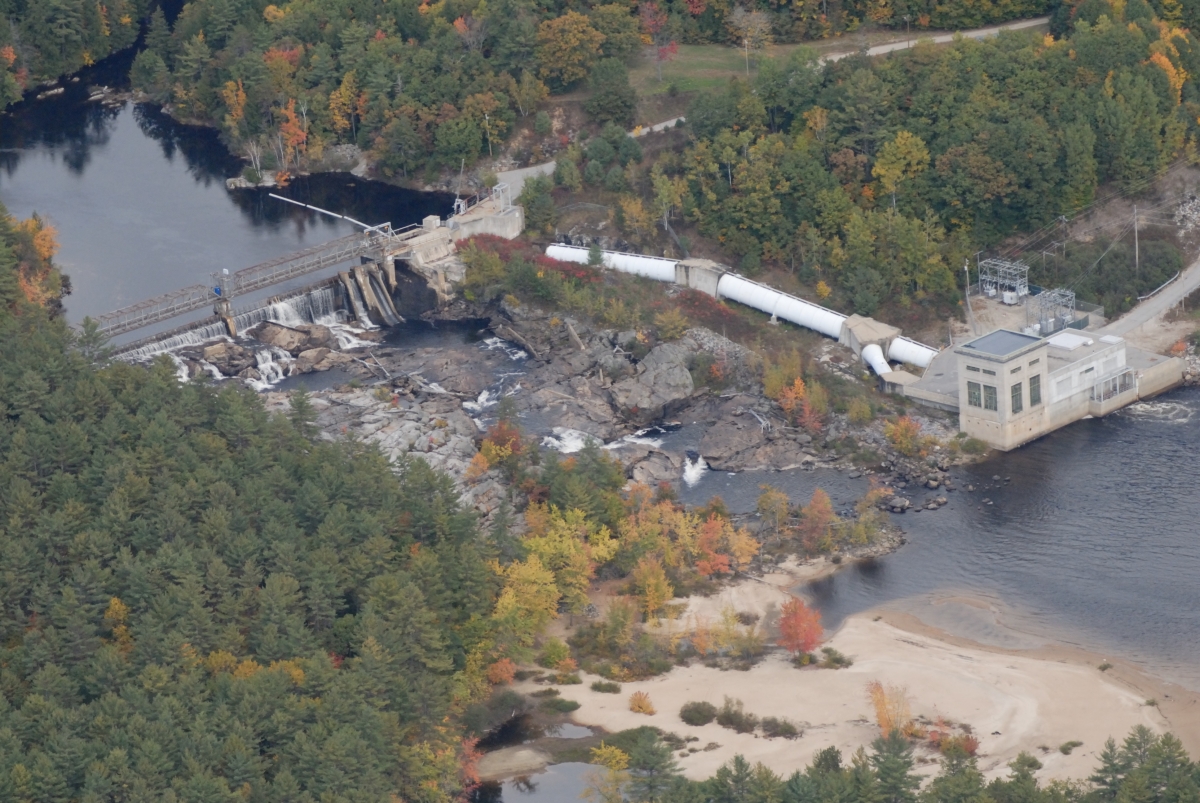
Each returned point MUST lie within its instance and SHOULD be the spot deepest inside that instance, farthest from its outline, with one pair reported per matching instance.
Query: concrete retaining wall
(1160, 378)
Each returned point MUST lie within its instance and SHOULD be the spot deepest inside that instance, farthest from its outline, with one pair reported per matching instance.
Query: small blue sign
(217, 291)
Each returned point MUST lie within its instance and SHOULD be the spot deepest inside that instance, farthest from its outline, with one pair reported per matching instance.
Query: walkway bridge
(428, 248)
(379, 244)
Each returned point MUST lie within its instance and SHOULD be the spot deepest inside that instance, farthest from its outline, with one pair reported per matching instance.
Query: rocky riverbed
(567, 383)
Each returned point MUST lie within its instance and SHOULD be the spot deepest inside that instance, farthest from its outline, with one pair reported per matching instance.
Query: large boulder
(728, 438)
(228, 358)
(662, 380)
(307, 361)
(657, 467)
(293, 341)
(319, 337)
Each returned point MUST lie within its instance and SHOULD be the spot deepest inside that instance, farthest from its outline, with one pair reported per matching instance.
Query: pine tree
(1110, 773)
(892, 761)
(652, 768)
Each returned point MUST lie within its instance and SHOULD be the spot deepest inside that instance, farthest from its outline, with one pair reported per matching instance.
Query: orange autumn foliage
(44, 236)
(711, 561)
(799, 627)
(791, 397)
(502, 672)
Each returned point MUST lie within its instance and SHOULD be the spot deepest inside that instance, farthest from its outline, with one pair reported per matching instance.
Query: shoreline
(1178, 704)
(1013, 700)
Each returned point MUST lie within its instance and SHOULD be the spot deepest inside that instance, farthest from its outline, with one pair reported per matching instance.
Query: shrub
(560, 705)
(891, 707)
(698, 713)
(962, 742)
(751, 264)
(904, 434)
(568, 679)
(606, 687)
(554, 652)
(501, 672)
(974, 446)
(671, 323)
(542, 693)
(779, 727)
(733, 716)
(542, 124)
(639, 703)
(1066, 747)
(834, 659)
(859, 411)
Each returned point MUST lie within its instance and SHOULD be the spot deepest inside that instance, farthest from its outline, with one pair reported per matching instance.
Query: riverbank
(1011, 700)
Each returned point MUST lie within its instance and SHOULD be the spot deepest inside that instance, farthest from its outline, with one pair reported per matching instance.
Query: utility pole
(967, 298)
(1137, 259)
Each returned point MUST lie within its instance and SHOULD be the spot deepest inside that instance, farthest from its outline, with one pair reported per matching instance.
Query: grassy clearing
(697, 68)
(704, 67)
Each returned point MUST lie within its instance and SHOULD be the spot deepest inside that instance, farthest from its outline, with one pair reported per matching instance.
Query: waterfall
(192, 337)
(694, 468)
(272, 367)
(315, 306)
(319, 305)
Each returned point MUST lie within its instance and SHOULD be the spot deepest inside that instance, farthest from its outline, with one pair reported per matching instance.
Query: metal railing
(1111, 386)
(256, 277)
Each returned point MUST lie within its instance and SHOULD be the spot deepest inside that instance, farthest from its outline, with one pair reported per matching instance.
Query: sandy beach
(1012, 701)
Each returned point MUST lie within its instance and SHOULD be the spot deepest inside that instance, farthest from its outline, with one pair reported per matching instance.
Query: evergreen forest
(200, 602)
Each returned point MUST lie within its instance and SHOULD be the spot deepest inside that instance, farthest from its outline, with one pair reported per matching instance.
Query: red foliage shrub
(505, 249)
(501, 672)
(584, 274)
(701, 306)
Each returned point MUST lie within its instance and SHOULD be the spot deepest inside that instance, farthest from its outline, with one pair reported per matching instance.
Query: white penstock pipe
(657, 268)
(760, 297)
(910, 351)
(872, 355)
(781, 305)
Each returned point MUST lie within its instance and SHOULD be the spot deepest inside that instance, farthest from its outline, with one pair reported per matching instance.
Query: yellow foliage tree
(637, 218)
(654, 589)
(115, 617)
(571, 546)
(528, 601)
(610, 757)
(342, 103)
(567, 47)
(903, 157)
(891, 707)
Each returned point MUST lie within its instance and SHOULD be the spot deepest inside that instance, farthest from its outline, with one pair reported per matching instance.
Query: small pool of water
(557, 784)
(525, 728)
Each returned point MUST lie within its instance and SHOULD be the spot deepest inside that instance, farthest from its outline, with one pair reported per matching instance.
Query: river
(1092, 540)
(140, 201)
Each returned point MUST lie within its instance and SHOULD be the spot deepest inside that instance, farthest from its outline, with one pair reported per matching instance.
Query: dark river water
(1094, 539)
(140, 201)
